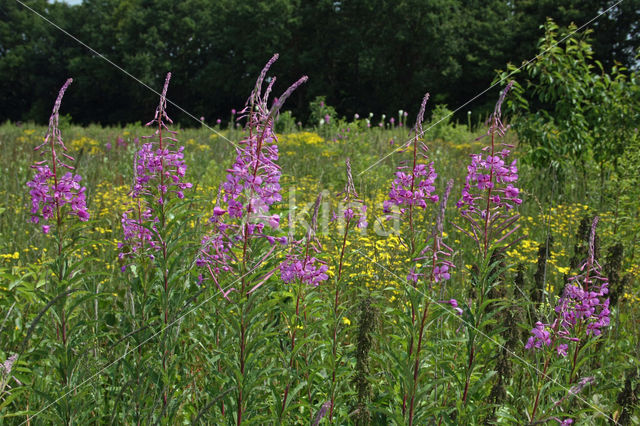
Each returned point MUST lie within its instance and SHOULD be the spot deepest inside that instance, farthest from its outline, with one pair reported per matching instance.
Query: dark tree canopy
(363, 55)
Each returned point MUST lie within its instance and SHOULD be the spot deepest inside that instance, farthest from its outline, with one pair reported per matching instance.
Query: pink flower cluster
(489, 193)
(253, 182)
(486, 174)
(251, 187)
(138, 236)
(49, 191)
(412, 189)
(354, 210)
(414, 186)
(578, 304)
(158, 171)
(309, 270)
(47, 195)
(150, 164)
(582, 307)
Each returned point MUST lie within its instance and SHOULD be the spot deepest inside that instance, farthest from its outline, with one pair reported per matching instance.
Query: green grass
(106, 327)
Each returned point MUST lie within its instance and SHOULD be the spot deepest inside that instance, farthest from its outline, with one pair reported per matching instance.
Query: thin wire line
(539, 55)
(120, 358)
(100, 55)
(501, 346)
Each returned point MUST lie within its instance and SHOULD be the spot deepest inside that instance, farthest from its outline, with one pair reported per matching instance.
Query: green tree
(575, 113)
(31, 60)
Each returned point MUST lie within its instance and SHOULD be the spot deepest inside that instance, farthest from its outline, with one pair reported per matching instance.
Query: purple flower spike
(540, 335)
(415, 187)
(583, 306)
(159, 171)
(583, 301)
(489, 194)
(50, 191)
(250, 189)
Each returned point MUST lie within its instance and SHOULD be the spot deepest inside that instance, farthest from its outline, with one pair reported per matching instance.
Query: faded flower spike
(355, 209)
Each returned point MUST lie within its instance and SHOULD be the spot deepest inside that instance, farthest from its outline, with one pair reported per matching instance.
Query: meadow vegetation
(360, 270)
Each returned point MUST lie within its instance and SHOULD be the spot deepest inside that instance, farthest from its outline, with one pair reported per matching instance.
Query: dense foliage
(364, 56)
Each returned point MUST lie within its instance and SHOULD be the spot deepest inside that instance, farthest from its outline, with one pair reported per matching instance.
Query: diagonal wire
(501, 81)
(501, 346)
(127, 352)
(101, 56)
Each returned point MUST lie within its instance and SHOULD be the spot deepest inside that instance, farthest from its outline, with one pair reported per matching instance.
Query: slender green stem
(334, 350)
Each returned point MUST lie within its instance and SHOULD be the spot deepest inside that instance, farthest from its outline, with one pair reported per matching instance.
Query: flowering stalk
(251, 187)
(351, 216)
(301, 267)
(437, 254)
(57, 196)
(159, 170)
(489, 195)
(50, 193)
(487, 199)
(415, 188)
(409, 190)
(581, 312)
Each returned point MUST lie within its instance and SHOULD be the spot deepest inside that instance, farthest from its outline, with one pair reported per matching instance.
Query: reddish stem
(466, 385)
(244, 268)
(544, 375)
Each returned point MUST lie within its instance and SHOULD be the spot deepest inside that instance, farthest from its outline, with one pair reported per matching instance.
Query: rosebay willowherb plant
(487, 206)
(57, 196)
(412, 188)
(51, 190)
(243, 238)
(580, 315)
(351, 214)
(437, 258)
(301, 269)
(153, 248)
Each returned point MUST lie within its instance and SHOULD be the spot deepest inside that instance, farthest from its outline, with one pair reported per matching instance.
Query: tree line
(364, 55)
